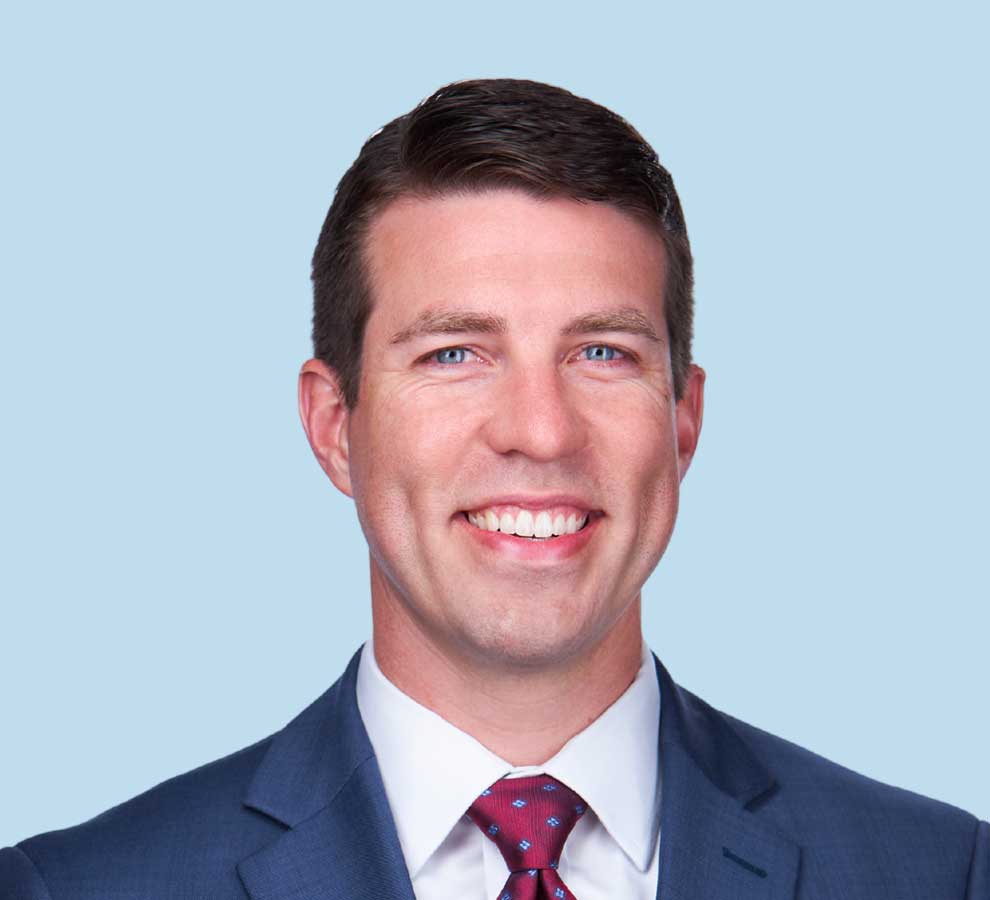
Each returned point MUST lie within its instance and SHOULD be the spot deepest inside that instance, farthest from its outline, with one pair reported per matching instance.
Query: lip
(551, 550)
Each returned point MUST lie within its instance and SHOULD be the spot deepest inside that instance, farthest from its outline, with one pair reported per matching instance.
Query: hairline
(418, 191)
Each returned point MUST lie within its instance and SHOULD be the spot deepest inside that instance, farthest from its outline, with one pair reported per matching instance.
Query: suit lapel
(713, 844)
(320, 778)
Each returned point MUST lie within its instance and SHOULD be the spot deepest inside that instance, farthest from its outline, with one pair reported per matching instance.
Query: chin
(507, 642)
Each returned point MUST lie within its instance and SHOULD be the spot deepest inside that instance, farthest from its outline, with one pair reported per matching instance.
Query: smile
(537, 525)
(552, 548)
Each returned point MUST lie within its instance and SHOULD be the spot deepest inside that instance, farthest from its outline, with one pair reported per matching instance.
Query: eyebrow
(464, 321)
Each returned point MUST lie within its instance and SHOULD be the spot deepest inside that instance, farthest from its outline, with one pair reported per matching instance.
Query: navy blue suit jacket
(302, 815)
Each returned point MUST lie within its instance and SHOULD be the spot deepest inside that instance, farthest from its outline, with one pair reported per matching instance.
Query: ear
(325, 418)
(690, 409)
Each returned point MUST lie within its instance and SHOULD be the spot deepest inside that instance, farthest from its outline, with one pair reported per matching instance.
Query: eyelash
(628, 357)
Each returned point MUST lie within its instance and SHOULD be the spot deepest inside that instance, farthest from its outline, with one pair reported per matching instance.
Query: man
(503, 383)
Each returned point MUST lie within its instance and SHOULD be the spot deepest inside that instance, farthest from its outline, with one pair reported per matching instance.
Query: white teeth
(526, 525)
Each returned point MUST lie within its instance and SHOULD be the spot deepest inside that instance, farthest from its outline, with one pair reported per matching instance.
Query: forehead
(493, 248)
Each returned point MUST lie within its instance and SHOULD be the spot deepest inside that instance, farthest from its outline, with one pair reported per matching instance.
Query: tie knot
(528, 819)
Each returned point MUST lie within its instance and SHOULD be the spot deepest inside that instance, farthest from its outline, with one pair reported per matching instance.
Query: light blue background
(178, 576)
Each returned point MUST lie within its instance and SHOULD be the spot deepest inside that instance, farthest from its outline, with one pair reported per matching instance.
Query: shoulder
(816, 783)
(188, 830)
(847, 822)
(186, 836)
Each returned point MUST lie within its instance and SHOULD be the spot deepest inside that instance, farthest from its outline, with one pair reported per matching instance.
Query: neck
(522, 714)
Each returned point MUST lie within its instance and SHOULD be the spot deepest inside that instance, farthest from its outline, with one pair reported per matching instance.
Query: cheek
(410, 454)
(641, 454)
(637, 427)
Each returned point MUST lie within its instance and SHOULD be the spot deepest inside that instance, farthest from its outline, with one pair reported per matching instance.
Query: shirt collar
(431, 780)
(614, 765)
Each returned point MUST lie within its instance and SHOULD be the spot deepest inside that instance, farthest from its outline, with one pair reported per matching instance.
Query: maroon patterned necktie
(529, 819)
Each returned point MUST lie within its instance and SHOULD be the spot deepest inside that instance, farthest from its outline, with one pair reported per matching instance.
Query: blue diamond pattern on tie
(528, 819)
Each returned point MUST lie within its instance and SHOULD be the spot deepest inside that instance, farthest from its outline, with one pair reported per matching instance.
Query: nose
(537, 414)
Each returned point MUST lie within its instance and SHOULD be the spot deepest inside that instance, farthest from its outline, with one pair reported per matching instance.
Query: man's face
(452, 423)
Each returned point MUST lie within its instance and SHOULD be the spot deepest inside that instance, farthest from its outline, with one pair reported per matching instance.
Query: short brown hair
(482, 134)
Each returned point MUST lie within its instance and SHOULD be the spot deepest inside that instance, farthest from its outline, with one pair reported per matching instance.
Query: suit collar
(320, 778)
(314, 756)
(713, 745)
(714, 844)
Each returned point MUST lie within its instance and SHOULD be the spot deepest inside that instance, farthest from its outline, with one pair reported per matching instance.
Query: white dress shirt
(433, 771)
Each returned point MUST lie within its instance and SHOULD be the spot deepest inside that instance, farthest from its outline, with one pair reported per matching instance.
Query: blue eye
(447, 350)
(455, 355)
(614, 350)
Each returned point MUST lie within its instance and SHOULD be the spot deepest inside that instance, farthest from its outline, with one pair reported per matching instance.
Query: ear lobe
(689, 413)
(325, 418)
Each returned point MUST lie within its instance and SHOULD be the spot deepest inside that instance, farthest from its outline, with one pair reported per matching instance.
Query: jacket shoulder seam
(35, 868)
